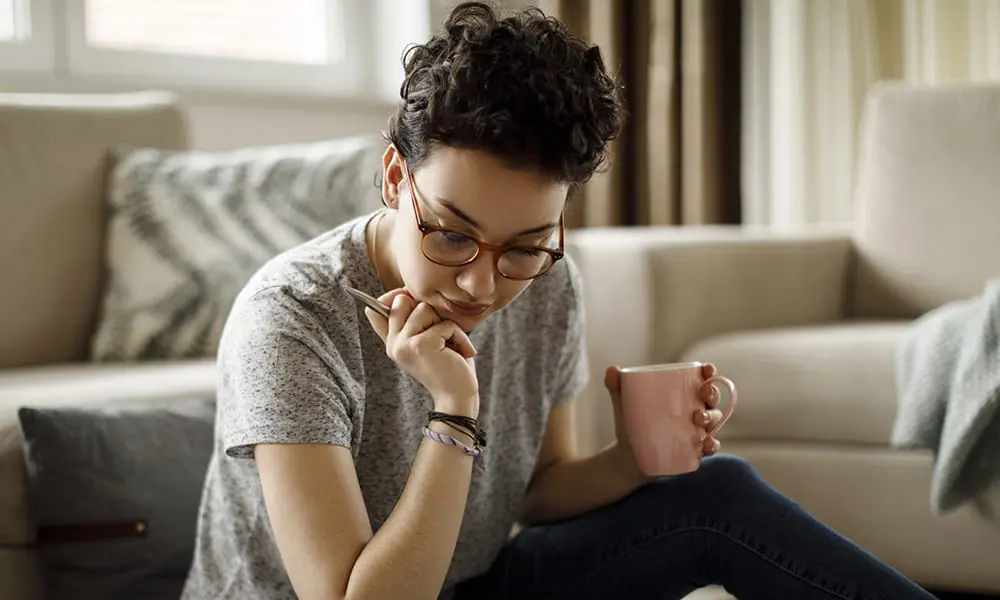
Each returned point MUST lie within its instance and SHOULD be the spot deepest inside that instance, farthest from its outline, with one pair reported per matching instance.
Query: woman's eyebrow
(461, 215)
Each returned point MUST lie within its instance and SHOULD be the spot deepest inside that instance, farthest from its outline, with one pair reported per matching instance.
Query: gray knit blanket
(948, 395)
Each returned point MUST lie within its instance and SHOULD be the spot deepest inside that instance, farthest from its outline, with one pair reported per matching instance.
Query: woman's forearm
(572, 487)
(410, 554)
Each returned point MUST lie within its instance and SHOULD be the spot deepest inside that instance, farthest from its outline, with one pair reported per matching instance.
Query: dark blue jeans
(719, 525)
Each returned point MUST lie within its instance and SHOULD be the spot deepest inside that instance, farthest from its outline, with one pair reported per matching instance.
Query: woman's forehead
(479, 189)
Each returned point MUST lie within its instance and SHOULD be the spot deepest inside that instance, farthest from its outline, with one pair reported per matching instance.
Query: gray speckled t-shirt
(299, 363)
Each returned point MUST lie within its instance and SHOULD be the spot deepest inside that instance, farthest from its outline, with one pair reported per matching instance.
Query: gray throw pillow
(115, 492)
(187, 229)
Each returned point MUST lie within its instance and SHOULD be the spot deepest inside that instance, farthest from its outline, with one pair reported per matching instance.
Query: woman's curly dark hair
(521, 88)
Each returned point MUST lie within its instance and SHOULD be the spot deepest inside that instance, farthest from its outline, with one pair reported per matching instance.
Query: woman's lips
(464, 309)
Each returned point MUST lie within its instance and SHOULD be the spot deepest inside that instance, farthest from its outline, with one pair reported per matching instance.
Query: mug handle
(730, 406)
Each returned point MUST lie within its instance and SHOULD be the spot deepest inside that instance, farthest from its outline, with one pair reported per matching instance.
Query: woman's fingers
(399, 311)
(438, 335)
(708, 418)
(460, 342)
(379, 323)
(421, 318)
(709, 394)
(613, 382)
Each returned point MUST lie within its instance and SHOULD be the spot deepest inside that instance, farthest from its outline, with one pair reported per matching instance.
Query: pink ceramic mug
(659, 407)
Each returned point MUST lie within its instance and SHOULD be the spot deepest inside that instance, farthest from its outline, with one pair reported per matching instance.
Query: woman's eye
(455, 238)
(526, 252)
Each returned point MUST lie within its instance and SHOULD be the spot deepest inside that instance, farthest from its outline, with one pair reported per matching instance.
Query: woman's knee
(730, 470)
(728, 464)
(722, 471)
(703, 493)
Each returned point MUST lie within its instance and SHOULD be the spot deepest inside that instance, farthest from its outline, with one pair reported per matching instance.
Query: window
(294, 45)
(14, 25)
(267, 30)
(324, 47)
(25, 35)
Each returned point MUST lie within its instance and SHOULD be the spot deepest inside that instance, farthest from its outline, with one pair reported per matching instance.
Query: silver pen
(369, 301)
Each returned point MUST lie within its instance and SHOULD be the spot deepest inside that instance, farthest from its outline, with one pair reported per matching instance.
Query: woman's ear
(392, 176)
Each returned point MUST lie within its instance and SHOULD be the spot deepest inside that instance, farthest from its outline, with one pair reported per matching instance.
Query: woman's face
(473, 193)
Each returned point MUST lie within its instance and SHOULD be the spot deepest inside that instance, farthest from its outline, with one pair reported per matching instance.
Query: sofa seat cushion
(832, 383)
(69, 385)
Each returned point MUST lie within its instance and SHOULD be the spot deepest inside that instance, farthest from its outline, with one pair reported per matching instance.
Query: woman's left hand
(711, 417)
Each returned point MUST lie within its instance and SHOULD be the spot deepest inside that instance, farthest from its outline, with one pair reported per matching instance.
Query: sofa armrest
(651, 292)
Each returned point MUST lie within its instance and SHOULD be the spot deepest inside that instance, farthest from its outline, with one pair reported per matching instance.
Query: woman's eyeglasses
(451, 248)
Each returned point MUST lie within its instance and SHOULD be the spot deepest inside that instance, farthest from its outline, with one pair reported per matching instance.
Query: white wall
(230, 124)
(222, 120)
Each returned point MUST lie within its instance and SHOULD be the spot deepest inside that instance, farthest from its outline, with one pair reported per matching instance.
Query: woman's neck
(380, 249)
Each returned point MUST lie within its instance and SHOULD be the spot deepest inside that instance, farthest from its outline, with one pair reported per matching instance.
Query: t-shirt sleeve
(282, 379)
(573, 370)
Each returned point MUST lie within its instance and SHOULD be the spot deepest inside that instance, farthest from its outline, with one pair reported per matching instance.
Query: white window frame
(36, 53)
(343, 78)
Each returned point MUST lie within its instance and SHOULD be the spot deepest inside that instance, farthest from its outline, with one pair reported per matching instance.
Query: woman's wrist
(446, 429)
(624, 460)
(444, 426)
(460, 407)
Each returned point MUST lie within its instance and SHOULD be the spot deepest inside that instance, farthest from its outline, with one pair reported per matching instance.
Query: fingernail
(705, 417)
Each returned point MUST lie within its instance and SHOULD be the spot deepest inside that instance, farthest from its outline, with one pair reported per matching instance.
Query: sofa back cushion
(54, 151)
(928, 197)
(187, 230)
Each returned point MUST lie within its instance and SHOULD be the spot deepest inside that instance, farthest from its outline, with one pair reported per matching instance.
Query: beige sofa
(804, 321)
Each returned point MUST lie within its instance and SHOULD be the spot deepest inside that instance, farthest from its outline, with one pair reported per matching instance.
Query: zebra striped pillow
(187, 230)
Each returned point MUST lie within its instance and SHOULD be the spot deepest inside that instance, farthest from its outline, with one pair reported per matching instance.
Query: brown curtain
(679, 158)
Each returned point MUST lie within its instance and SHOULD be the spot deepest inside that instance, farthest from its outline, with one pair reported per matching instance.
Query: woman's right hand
(415, 338)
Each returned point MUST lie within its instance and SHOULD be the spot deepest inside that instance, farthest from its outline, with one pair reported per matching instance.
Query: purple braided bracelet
(475, 453)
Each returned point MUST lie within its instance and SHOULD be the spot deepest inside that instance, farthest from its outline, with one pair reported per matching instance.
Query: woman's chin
(467, 324)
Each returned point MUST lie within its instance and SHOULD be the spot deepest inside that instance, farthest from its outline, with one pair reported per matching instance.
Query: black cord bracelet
(467, 425)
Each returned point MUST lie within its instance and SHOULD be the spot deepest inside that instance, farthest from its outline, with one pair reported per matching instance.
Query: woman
(348, 443)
